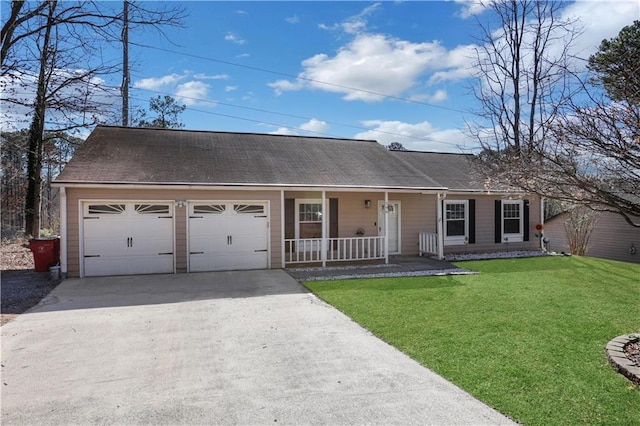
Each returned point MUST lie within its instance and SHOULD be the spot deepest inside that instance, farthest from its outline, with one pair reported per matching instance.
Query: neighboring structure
(612, 238)
(138, 201)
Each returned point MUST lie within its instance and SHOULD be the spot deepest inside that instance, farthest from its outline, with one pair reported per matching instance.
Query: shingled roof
(454, 171)
(120, 155)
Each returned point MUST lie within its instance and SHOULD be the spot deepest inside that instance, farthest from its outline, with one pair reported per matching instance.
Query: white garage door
(127, 238)
(227, 236)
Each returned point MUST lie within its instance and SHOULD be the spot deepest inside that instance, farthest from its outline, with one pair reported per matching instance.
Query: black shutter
(289, 218)
(472, 221)
(498, 222)
(333, 220)
(526, 220)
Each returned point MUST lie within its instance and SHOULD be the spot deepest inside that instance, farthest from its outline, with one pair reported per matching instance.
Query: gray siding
(611, 239)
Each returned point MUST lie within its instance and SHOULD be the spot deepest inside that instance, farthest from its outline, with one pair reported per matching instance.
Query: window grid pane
(310, 213)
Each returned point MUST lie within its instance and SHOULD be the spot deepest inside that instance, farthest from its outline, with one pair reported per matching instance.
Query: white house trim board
(248, 187)
(63, 232)
(384, 208)
(512, 237)
(282, 230)
(457, 239)
(440, 225)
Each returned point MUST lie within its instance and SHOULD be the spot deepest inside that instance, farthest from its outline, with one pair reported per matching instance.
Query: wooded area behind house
(58, 149)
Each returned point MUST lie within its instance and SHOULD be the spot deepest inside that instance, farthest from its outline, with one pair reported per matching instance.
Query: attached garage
(228, 236)
(126, 238)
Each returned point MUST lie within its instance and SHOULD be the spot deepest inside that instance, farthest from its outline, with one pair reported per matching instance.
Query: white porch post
(386, 226)
(63, 232)
(323, 245)
(282, 226)
(440, 229)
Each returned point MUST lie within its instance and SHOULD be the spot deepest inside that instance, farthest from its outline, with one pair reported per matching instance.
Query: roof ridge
(237, 133)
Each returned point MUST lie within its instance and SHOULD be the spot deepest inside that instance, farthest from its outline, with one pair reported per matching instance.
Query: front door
(394, 224)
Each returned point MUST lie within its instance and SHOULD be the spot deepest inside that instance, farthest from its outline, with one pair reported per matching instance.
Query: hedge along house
(141, 201)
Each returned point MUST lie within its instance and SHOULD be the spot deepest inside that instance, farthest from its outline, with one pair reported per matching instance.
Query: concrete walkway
(213, 348)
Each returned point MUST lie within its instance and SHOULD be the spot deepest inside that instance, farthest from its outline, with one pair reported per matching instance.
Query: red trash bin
(46, 252)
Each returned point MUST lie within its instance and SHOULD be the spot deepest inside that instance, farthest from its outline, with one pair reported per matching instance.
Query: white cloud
(230, 88)
(470, 8)
(283, 131)
(292, 19)
(234, 38)
(282, 86)
(243, 55)
(416, 136)
(354, 24)
(439, 96)
(192, 92)
(315, 126)
(18, 92)
(372, 63)
(601, 20)
(201, 76)
(156, 83)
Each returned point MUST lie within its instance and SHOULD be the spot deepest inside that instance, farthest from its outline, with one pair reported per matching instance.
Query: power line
(340, 86)
(417, 139)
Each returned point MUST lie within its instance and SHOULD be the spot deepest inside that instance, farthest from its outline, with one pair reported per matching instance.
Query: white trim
(296, 212)
(248, 187)
(282, 228)
(63, 232)
(512, 238)
(81, 203)
(440, 224)
(388, 202)
(323, 244)
(458, 239)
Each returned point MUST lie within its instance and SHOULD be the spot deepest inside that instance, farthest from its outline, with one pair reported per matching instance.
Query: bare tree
(580, 223)
(523, 83)
(591, 155)
(53, 50)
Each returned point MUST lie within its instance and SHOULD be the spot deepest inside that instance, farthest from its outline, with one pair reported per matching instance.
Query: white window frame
(456, 239)
(297, 211)
(514, 237)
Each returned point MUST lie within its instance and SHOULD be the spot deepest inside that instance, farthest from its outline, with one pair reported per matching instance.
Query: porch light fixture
(181, 203)
(367, 204)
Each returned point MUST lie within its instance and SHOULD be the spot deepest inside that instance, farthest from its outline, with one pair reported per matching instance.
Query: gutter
(243, 186)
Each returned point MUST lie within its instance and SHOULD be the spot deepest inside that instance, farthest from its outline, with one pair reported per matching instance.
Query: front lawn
(526, 336)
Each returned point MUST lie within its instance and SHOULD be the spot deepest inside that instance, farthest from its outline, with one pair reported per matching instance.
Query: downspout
(386, 227)
(440, 228)
(323, 244)
(282, 230)
(63, 232)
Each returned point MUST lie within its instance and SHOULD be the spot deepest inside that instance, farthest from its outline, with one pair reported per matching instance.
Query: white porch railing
(302, 250)
(428, 243)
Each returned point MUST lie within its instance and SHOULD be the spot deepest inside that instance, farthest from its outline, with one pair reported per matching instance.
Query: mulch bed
(632, 351)
(22, 286)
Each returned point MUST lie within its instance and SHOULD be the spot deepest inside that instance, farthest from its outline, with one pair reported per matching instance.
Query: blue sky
(263, 66)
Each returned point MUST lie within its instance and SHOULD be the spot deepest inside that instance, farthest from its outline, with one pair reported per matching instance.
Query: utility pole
(124, 89)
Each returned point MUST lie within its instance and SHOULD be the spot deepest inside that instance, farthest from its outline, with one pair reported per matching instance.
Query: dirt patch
(22, 287)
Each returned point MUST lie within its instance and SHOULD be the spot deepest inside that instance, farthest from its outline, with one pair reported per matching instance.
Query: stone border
(617, 357)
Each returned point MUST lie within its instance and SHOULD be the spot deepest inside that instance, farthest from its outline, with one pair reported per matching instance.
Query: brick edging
(617, 357)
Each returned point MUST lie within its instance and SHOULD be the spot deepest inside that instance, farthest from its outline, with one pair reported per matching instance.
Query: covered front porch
(343, 227)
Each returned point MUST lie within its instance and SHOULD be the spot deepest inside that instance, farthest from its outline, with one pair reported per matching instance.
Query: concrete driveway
(213, 348)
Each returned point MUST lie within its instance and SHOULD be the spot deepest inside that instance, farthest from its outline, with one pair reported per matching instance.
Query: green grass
(526, 336)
